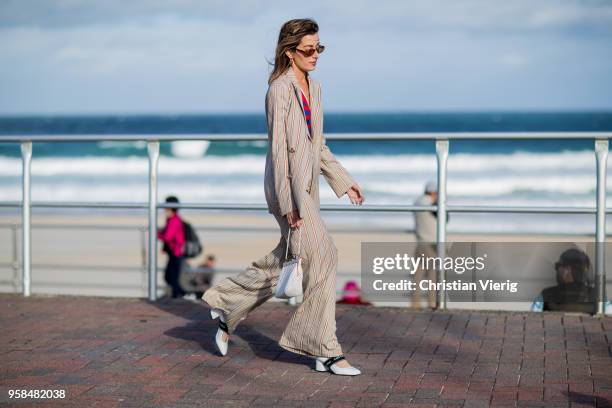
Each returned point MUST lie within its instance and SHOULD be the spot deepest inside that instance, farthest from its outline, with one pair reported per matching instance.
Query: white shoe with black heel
(221, 344)
(329, 364)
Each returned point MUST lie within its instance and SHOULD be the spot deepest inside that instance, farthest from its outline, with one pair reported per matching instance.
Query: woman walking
(173, 237)
(297, 154)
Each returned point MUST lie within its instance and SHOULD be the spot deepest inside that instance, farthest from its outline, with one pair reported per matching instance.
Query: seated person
(572, 292)
(351, 295)
(198, 280)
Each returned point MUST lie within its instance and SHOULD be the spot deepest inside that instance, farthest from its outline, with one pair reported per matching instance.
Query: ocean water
(512, 172)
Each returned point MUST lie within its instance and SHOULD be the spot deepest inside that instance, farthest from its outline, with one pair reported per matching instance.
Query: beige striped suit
(293, 165)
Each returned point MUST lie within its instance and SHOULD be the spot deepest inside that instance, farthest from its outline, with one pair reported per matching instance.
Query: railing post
(144, 243)
(143, 247)
(601, 154)
(26, 228)
(442, 156)
(153, 149)
(15, 255)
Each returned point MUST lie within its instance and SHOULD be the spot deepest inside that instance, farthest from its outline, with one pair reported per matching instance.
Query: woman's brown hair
(289, 38)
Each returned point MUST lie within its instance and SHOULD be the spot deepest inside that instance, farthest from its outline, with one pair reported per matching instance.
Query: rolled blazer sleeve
(277, 108)
(336, 175)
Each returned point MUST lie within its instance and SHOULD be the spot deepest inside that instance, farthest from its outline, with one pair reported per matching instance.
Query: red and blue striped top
(307, 113)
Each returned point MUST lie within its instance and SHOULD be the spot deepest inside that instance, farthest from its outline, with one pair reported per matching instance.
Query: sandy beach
(104, 254)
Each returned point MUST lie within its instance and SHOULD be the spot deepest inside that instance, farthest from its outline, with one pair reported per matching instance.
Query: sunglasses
(559, 265)
(309, 51)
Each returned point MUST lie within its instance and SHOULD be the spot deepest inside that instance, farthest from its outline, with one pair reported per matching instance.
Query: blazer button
(291, 150)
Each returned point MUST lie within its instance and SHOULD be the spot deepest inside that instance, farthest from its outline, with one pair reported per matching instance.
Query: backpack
(193, 247)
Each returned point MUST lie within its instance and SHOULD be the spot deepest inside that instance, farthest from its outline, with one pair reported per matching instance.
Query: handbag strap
(288, 241)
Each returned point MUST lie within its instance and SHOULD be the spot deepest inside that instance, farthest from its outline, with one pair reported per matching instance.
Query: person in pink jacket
(173, 237)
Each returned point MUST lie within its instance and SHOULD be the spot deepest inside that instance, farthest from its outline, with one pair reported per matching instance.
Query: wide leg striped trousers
(311, 330)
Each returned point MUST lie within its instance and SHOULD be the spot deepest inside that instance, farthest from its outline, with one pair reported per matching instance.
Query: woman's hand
(356, 195)
(294, 219)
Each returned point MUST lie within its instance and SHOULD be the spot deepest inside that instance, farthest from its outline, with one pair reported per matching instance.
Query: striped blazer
(294, 160)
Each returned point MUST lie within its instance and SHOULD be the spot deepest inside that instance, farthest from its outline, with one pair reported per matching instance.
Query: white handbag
(291, 276)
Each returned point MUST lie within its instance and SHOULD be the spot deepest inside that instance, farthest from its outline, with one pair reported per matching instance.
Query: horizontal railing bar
(220, 206)
(341, 208)
(208, 228)
(85, 267)
(522, 209)
(81, 226)
(136, 269)
(97, 285)
(340, 230)
(328, 136)
(65, 204)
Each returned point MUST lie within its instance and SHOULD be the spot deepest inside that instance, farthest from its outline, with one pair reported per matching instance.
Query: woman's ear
(288, 54)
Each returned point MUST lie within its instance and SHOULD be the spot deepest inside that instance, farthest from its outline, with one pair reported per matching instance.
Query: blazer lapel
(296, 86)
(313, 89)
(315, 110)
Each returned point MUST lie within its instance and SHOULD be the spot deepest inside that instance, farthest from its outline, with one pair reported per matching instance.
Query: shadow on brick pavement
(119, 352)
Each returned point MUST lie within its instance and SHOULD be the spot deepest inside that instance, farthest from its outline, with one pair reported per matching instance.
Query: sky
(198, 56)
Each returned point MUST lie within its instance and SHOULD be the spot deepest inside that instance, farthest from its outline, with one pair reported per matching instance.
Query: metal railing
(14, 263)
(442, 150)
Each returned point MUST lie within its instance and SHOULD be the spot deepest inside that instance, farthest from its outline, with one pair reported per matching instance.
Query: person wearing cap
(173, 237)
(426, 224)
(426, 221)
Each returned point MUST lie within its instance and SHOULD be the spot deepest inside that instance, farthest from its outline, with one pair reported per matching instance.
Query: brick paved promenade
(130, 352)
